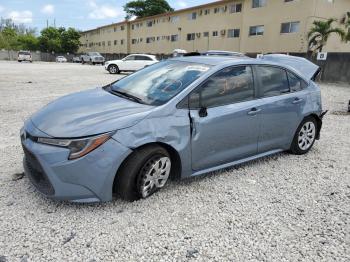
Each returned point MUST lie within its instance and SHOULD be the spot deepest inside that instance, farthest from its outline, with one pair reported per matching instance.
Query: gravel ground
(280, 208)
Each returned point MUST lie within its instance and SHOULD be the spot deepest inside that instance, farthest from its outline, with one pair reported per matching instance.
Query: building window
(133, 41)
(216, 10)
(109, 43)
(115, 42)
(233, 33)
(192, 16)
(115, 29)
(149, 23)
(174, 19)
(291, 27)
(236, 8)
(215, 33)
(132, 27)
(206, 34)
(122, 28)
(122, 42)
(256, 30)
(206, 11)
(288, 0)
(191, 37)
(174, 38)
(258, 3)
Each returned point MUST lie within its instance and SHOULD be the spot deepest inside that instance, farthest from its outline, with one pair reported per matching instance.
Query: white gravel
(281, 208)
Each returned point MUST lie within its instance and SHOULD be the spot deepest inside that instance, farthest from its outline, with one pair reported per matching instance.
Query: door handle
(297, 100)
(254, 111)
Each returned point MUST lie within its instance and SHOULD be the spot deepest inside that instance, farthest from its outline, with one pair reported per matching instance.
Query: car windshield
(94, 54)
(157, 84)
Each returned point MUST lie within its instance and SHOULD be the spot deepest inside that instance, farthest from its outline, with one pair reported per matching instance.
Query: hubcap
(113, 69)
(155, 176)
(306, 135)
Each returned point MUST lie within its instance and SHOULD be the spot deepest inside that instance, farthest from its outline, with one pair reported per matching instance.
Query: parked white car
(130, 63)
(61, 59)
(24, 56)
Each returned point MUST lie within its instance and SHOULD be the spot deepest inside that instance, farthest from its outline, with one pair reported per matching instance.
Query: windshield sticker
(197, 68)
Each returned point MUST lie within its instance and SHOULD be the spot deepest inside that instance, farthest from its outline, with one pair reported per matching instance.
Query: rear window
(23, 53)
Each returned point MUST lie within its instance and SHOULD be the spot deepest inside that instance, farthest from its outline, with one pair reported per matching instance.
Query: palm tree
(346, 22)
(320, 32)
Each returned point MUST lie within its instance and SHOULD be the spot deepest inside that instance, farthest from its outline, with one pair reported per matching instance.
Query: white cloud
(182, 4)
(2, 8)
(48, 9)
(103, 11)
(21, 17)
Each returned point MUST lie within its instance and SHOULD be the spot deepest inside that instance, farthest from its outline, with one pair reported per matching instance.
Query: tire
(305, 136)
(137, 176)
(93, 63)
(113, 69)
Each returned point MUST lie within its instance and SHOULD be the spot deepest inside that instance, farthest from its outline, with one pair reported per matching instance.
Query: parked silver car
(178, 118)
(92, 58)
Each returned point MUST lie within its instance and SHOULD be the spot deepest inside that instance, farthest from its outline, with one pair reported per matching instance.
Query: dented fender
(170, 128)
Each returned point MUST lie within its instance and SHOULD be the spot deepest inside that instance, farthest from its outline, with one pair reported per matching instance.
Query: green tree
(70, 40)
(320, 32)
(50, 40)
(144, 8)
(28, 42)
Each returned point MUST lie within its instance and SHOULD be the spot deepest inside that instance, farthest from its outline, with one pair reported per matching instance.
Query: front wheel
(305, 136)
(144, 172)
(113, 69)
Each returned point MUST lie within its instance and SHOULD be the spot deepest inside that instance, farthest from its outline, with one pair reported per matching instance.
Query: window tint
(230, 85)
(295, 83)
(273, 80)
(140, 57)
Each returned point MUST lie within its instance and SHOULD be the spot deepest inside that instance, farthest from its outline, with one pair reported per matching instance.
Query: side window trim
(212, 75)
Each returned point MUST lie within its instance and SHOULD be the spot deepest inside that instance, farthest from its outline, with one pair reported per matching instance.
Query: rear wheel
(113, 69)
(305, 136)
(144, 172)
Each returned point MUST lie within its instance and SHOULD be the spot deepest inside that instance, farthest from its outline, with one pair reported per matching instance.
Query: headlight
(78, 147)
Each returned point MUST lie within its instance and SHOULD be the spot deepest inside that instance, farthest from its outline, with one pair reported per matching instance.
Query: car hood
(88, 113)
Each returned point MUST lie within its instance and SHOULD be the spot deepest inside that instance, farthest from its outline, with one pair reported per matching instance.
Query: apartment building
(247, 26)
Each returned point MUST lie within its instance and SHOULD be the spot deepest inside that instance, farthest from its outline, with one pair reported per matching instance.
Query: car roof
(231, 61)
(144, 55)
(215, 60)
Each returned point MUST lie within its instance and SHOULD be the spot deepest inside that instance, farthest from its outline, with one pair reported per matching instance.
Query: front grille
(36, 173)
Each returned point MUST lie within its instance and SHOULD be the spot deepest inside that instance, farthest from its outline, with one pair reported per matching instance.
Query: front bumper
(87, 179)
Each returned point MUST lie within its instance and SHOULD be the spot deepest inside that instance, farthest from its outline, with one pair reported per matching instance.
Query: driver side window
(228, 86)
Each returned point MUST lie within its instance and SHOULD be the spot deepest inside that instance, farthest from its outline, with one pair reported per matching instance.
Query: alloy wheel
(306, 135)
(154, 175)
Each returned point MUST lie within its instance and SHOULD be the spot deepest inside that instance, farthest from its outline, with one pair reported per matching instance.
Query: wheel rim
(113, 69)
(155, 175)
(307, 135)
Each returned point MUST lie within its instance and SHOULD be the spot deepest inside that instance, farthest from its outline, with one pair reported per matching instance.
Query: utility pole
(54, 22)
(47, 23)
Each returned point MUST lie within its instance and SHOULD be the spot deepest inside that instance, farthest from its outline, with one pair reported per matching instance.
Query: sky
(80, 14)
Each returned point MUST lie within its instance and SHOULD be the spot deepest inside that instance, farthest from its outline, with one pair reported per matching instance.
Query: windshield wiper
(127, 95)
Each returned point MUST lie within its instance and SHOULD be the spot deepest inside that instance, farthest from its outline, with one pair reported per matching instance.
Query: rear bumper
(87, 179)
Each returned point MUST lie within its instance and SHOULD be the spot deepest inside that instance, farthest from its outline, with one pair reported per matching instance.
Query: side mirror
(203, 112)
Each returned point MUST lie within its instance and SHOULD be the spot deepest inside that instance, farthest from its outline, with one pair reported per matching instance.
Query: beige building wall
(162, 34)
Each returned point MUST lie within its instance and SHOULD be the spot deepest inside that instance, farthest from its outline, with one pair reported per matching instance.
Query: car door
(128, 63)
(224, 119)
(281, 107)
(142, 61)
